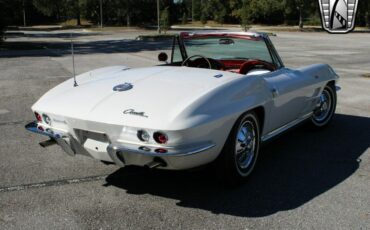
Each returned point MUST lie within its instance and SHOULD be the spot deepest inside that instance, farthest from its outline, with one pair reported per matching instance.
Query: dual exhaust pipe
(157, 162)
(47, 143)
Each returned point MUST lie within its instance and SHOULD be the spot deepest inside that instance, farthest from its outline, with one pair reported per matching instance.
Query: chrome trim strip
(63, 140)
(285, 127)
(171, 151)
(146, 144)
(33, 127)
(114, 149)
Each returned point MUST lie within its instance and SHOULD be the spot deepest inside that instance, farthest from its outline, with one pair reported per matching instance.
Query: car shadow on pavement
(292, 170)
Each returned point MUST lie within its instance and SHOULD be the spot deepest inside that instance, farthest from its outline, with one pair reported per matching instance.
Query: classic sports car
(218, 98)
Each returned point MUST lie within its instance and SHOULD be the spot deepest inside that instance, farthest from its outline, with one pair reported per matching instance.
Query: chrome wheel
(245, 146)
(324, 107)
(239, 155)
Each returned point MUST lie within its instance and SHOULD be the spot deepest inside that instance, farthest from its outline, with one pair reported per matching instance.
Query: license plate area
(84, 135)
(95, 143)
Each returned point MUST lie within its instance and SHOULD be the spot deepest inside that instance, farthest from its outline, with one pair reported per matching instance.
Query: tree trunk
(101, 13)
(24, 14)
(192, 10)
(78, 15)
(128, 19)
(300, 17)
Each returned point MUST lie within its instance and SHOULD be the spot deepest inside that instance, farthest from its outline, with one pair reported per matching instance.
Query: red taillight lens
(160, 138)
(38, 117)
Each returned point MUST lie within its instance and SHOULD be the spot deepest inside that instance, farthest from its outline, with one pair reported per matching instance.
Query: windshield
(227, 48)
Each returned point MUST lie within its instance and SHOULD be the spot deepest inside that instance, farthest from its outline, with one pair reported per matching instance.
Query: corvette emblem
(338, 16)
(133, 112)
(123, 87)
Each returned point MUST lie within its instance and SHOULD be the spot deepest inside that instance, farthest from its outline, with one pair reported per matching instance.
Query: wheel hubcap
(245, 145)
(323, 109)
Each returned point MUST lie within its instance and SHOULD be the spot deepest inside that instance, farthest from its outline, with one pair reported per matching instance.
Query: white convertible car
(216, 100)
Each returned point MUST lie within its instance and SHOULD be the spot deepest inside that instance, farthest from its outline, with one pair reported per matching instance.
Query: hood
(158, 95)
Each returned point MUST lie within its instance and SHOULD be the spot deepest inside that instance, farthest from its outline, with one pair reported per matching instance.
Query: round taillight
(160, 138)
(38, 117)
(143, 135)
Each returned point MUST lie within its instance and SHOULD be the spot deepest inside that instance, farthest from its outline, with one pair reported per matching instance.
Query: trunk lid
(158, 95)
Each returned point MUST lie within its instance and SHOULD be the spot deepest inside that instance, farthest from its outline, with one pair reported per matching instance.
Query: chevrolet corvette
(217, 98)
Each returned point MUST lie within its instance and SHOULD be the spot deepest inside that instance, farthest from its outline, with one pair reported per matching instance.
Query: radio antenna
(73, 63)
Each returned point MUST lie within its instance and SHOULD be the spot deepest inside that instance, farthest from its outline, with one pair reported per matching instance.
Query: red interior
(232, 65)
(243, 67)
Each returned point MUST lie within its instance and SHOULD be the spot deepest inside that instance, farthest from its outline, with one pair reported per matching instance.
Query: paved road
(304, 180)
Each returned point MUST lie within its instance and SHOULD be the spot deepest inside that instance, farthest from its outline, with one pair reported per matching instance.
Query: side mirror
(162, 57)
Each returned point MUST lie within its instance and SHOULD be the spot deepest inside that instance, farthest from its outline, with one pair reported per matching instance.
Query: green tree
(184, 19)
(50, 8)
(91, 10)
(69, 8)
(195, 10)
(235, 9)
(298, 11)
(244, 15)
(3, 17)
(11, 13)
(306, 8)
(263, 11)
(363, 14)
(216, 10)
(73, 8)
(129, 11)
(165, 20)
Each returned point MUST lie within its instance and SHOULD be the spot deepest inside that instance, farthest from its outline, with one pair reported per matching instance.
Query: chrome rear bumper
(123, 154)
(62, 139)
(33, 127)
(118, 152)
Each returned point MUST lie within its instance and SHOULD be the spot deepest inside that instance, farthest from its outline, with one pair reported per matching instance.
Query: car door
(291, 93)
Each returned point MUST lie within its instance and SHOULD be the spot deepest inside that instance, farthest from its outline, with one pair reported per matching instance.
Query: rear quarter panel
(214, 115)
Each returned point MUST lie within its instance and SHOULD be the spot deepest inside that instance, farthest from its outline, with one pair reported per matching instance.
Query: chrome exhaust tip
(47, 143)
(157, 162)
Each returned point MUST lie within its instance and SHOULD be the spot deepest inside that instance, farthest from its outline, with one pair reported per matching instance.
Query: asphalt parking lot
(304, 179)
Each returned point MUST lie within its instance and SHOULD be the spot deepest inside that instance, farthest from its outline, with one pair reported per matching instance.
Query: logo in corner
(338, 16)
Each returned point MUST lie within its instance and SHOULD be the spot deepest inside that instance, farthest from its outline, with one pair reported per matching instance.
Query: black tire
(323, 115)
(234, 168)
